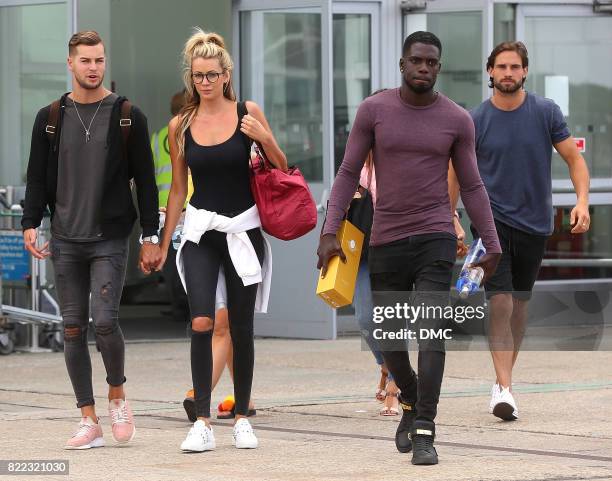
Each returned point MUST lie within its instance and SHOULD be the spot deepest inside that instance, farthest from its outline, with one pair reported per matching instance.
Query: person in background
(179, 311)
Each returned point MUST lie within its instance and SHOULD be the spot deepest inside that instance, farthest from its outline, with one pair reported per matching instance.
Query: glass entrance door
(309, 64)
(569, 47)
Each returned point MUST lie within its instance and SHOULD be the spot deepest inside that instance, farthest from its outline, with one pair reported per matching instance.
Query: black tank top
(220, 174)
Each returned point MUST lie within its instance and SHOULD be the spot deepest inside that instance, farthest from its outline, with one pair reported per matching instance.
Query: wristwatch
(152, 239)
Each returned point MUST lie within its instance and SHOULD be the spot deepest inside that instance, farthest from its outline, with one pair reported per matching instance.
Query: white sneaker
(494, 396)
(200, 438)
(505, 406)
(244, 437)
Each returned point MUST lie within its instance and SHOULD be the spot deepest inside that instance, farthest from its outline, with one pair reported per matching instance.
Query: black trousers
(202, 262)
(422, 264)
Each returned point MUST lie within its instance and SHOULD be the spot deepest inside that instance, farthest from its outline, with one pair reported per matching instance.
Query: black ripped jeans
(98, 268)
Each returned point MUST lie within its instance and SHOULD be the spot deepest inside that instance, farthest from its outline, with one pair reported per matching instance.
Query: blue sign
(14, 259)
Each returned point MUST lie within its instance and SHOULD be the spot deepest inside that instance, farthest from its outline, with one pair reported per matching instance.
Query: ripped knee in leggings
(202, 324)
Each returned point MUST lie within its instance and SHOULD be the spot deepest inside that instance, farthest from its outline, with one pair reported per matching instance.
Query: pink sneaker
(89, 435)
(122, 420)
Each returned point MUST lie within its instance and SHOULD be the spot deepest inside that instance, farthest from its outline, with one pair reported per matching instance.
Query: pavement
(317, 418)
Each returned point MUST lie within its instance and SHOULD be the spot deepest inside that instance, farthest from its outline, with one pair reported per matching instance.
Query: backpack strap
(125, 122)
(52, 120)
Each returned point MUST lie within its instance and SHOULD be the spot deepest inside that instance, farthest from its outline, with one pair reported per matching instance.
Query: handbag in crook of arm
(286, 207)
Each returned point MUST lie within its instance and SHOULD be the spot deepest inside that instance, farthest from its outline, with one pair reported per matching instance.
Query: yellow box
(338, 286)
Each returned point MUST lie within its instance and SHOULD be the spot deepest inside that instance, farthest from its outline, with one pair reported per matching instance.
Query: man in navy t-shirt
(515, 133)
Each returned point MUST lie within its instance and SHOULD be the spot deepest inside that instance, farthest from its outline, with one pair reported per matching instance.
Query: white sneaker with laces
(494, 396)
(199, 439)
(244, 437)
(505, 406)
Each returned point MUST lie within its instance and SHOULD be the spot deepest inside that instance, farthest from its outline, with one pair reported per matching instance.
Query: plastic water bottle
(471, 277)
(177, 235)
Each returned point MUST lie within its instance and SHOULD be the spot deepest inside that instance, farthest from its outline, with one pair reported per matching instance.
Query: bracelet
(457, 215)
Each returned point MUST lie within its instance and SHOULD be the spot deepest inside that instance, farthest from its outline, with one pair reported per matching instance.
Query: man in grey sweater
(413, 131)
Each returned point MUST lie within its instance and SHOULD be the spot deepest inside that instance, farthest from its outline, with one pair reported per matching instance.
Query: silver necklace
(87, 129)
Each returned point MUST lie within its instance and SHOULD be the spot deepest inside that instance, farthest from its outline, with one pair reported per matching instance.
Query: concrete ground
(317, 418)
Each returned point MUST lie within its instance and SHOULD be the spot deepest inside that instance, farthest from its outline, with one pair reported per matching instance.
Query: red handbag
(286, 207)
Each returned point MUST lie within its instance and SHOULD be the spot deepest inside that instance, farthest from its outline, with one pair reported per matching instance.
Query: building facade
(309, 63)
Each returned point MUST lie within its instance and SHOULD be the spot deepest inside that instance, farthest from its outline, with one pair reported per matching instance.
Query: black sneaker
(423, 451)
(403, 442)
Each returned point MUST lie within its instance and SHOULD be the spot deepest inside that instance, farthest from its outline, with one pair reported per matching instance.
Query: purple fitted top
(411, 147)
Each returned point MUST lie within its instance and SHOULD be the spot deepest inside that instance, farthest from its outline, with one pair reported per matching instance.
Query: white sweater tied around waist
(241, 250)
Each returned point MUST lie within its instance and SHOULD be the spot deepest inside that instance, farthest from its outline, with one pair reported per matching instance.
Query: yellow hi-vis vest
(163, 164)
(163, 167)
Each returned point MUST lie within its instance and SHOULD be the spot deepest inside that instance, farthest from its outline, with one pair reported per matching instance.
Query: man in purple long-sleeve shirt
(413, 131)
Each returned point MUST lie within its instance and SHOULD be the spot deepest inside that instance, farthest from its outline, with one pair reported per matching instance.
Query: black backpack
(125, 122)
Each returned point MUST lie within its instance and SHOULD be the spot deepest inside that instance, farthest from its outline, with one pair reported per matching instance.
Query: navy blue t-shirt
(514, 151)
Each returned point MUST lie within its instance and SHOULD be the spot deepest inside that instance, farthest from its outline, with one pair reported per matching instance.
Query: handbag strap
(248, 142)
(242, 111)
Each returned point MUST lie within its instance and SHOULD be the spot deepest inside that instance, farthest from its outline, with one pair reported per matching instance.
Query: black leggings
(201, 264)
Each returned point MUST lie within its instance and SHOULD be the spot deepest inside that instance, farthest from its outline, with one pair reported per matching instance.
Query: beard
(83, 84)
(508, 88)
(421, 88)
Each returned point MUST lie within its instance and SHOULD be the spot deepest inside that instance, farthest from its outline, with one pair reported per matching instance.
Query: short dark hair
(87, 37)
(518, 47)
(427, 38)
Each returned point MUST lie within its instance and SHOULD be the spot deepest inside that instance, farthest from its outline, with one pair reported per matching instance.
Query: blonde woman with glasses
(212, 136)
